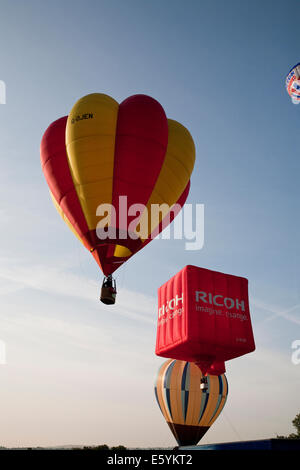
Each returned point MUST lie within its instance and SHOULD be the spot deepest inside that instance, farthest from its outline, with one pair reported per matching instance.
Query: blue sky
(78, 372)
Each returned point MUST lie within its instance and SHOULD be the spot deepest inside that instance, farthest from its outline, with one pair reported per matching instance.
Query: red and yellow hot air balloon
(188, 407)
(108, 164)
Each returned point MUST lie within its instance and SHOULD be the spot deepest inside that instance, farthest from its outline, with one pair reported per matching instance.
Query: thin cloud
(55, 280)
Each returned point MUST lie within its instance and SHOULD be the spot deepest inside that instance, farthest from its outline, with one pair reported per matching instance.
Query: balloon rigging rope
(120, 277)
(232, 427)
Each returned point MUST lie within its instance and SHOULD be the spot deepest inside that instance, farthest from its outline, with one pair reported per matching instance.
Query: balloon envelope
(108, 164)
(204, 317)
(188, 409)
(292, 83)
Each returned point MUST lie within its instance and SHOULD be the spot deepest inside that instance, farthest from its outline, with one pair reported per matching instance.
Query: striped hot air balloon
(189, 409)
(103, 151)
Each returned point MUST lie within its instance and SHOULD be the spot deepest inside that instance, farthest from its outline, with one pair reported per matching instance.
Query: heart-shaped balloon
(107, 165)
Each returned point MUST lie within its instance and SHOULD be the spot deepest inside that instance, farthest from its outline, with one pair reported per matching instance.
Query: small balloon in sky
(292, 83)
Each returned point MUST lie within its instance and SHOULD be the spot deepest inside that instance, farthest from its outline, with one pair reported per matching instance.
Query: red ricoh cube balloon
(204, 317)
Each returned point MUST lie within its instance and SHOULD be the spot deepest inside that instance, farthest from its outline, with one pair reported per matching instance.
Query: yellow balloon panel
(90, 145)
(212, 402)
(122, 251)
(175, 397)
(195, 398)
(174, 176)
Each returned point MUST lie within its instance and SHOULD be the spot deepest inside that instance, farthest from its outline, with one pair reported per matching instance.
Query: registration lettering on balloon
(83, 116)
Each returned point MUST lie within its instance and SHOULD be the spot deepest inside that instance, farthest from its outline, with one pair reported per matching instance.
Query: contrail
(284, 314)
